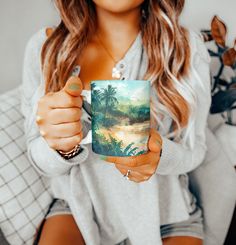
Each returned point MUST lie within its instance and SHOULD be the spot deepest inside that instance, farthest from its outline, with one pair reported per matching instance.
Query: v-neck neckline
(127, 57)
(131, 51)
(137, 43)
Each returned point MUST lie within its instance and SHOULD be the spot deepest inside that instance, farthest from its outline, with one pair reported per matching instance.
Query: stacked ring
(127, 174)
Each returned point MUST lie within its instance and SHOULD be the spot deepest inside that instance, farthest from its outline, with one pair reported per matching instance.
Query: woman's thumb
(73, 86)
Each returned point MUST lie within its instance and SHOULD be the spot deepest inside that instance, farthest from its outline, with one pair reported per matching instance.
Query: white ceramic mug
(122, 126)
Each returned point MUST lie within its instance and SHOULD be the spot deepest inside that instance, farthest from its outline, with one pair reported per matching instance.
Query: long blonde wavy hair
(165, 41)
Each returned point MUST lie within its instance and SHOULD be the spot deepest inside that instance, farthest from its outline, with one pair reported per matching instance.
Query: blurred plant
(223, 92)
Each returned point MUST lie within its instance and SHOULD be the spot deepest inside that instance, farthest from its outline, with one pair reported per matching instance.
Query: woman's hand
(142, 166)
(58, 116)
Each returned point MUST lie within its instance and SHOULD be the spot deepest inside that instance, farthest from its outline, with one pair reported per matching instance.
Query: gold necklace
(115, 72)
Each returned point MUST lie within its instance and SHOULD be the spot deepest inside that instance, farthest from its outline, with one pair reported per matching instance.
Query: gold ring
(127, 174)
(43, 133)
(38, 118)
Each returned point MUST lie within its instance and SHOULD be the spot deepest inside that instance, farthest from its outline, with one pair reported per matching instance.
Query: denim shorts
(192, 227)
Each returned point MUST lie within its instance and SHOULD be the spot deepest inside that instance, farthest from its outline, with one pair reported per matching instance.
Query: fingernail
(158, 142)
(74, 86)
(102, 157)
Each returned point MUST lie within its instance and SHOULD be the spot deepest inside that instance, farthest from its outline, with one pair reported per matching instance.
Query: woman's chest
(95, 65)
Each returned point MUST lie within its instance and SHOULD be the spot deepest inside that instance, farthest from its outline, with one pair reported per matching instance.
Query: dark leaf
(222, 101)
(233, 80)
(212, 53)
(229, 57)
(140, 152)
(132, 152)
(222, 82)
(207, 31)
(128, 147)
(231, 116)
(221, 49)
(207, 37)
(218, 30)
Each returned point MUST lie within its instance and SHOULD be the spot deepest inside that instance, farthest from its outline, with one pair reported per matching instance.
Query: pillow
(24, 194)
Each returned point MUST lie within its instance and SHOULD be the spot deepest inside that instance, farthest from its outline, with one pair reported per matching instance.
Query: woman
(138, 39)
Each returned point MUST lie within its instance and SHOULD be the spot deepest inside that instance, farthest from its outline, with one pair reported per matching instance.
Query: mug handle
(88, 139)
(86, 95)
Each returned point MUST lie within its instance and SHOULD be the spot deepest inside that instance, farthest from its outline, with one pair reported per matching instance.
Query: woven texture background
(24, 194)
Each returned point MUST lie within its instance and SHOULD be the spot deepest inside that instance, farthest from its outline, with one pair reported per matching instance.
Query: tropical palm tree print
(120, 126)
(108, 97)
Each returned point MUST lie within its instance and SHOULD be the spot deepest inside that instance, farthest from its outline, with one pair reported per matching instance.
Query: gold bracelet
(69, 154)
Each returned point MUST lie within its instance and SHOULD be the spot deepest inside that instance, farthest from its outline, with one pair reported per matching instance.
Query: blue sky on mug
(132, 91)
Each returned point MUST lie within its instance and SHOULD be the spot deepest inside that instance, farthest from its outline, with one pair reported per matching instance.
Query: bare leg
(182, 240)
(61, 230)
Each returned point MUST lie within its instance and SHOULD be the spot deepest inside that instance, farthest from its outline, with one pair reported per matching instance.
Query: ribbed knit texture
(106, 207)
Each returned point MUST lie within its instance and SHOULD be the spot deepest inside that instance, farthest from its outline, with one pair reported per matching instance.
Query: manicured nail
(102, 157)
(74, 86)
(158, 142)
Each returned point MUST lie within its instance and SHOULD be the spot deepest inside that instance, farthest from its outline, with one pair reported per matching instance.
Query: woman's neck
(118, 29)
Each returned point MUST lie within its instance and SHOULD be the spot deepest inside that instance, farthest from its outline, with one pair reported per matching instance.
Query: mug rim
(106, 80)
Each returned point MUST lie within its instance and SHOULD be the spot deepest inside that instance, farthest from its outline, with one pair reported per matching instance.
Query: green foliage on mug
(120, 124)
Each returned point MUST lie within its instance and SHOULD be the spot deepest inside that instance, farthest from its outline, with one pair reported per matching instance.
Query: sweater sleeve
(46, 160)
(177, 158)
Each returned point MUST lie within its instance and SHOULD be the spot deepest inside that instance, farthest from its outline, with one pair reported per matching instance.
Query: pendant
(116, 73)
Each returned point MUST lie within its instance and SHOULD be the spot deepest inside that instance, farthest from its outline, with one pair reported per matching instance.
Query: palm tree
(96, 96)
(108, 96)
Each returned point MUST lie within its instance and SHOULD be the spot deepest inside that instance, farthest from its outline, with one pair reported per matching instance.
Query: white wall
(198, 14)
(20, 19)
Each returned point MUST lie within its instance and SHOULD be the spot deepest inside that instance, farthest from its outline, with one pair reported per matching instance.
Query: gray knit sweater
(106, 207)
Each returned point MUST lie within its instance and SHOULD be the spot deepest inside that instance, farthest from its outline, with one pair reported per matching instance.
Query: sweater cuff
(168, 157)
(48, 161)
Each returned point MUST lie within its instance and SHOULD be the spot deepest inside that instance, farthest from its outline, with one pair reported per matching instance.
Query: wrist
(70, 154)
